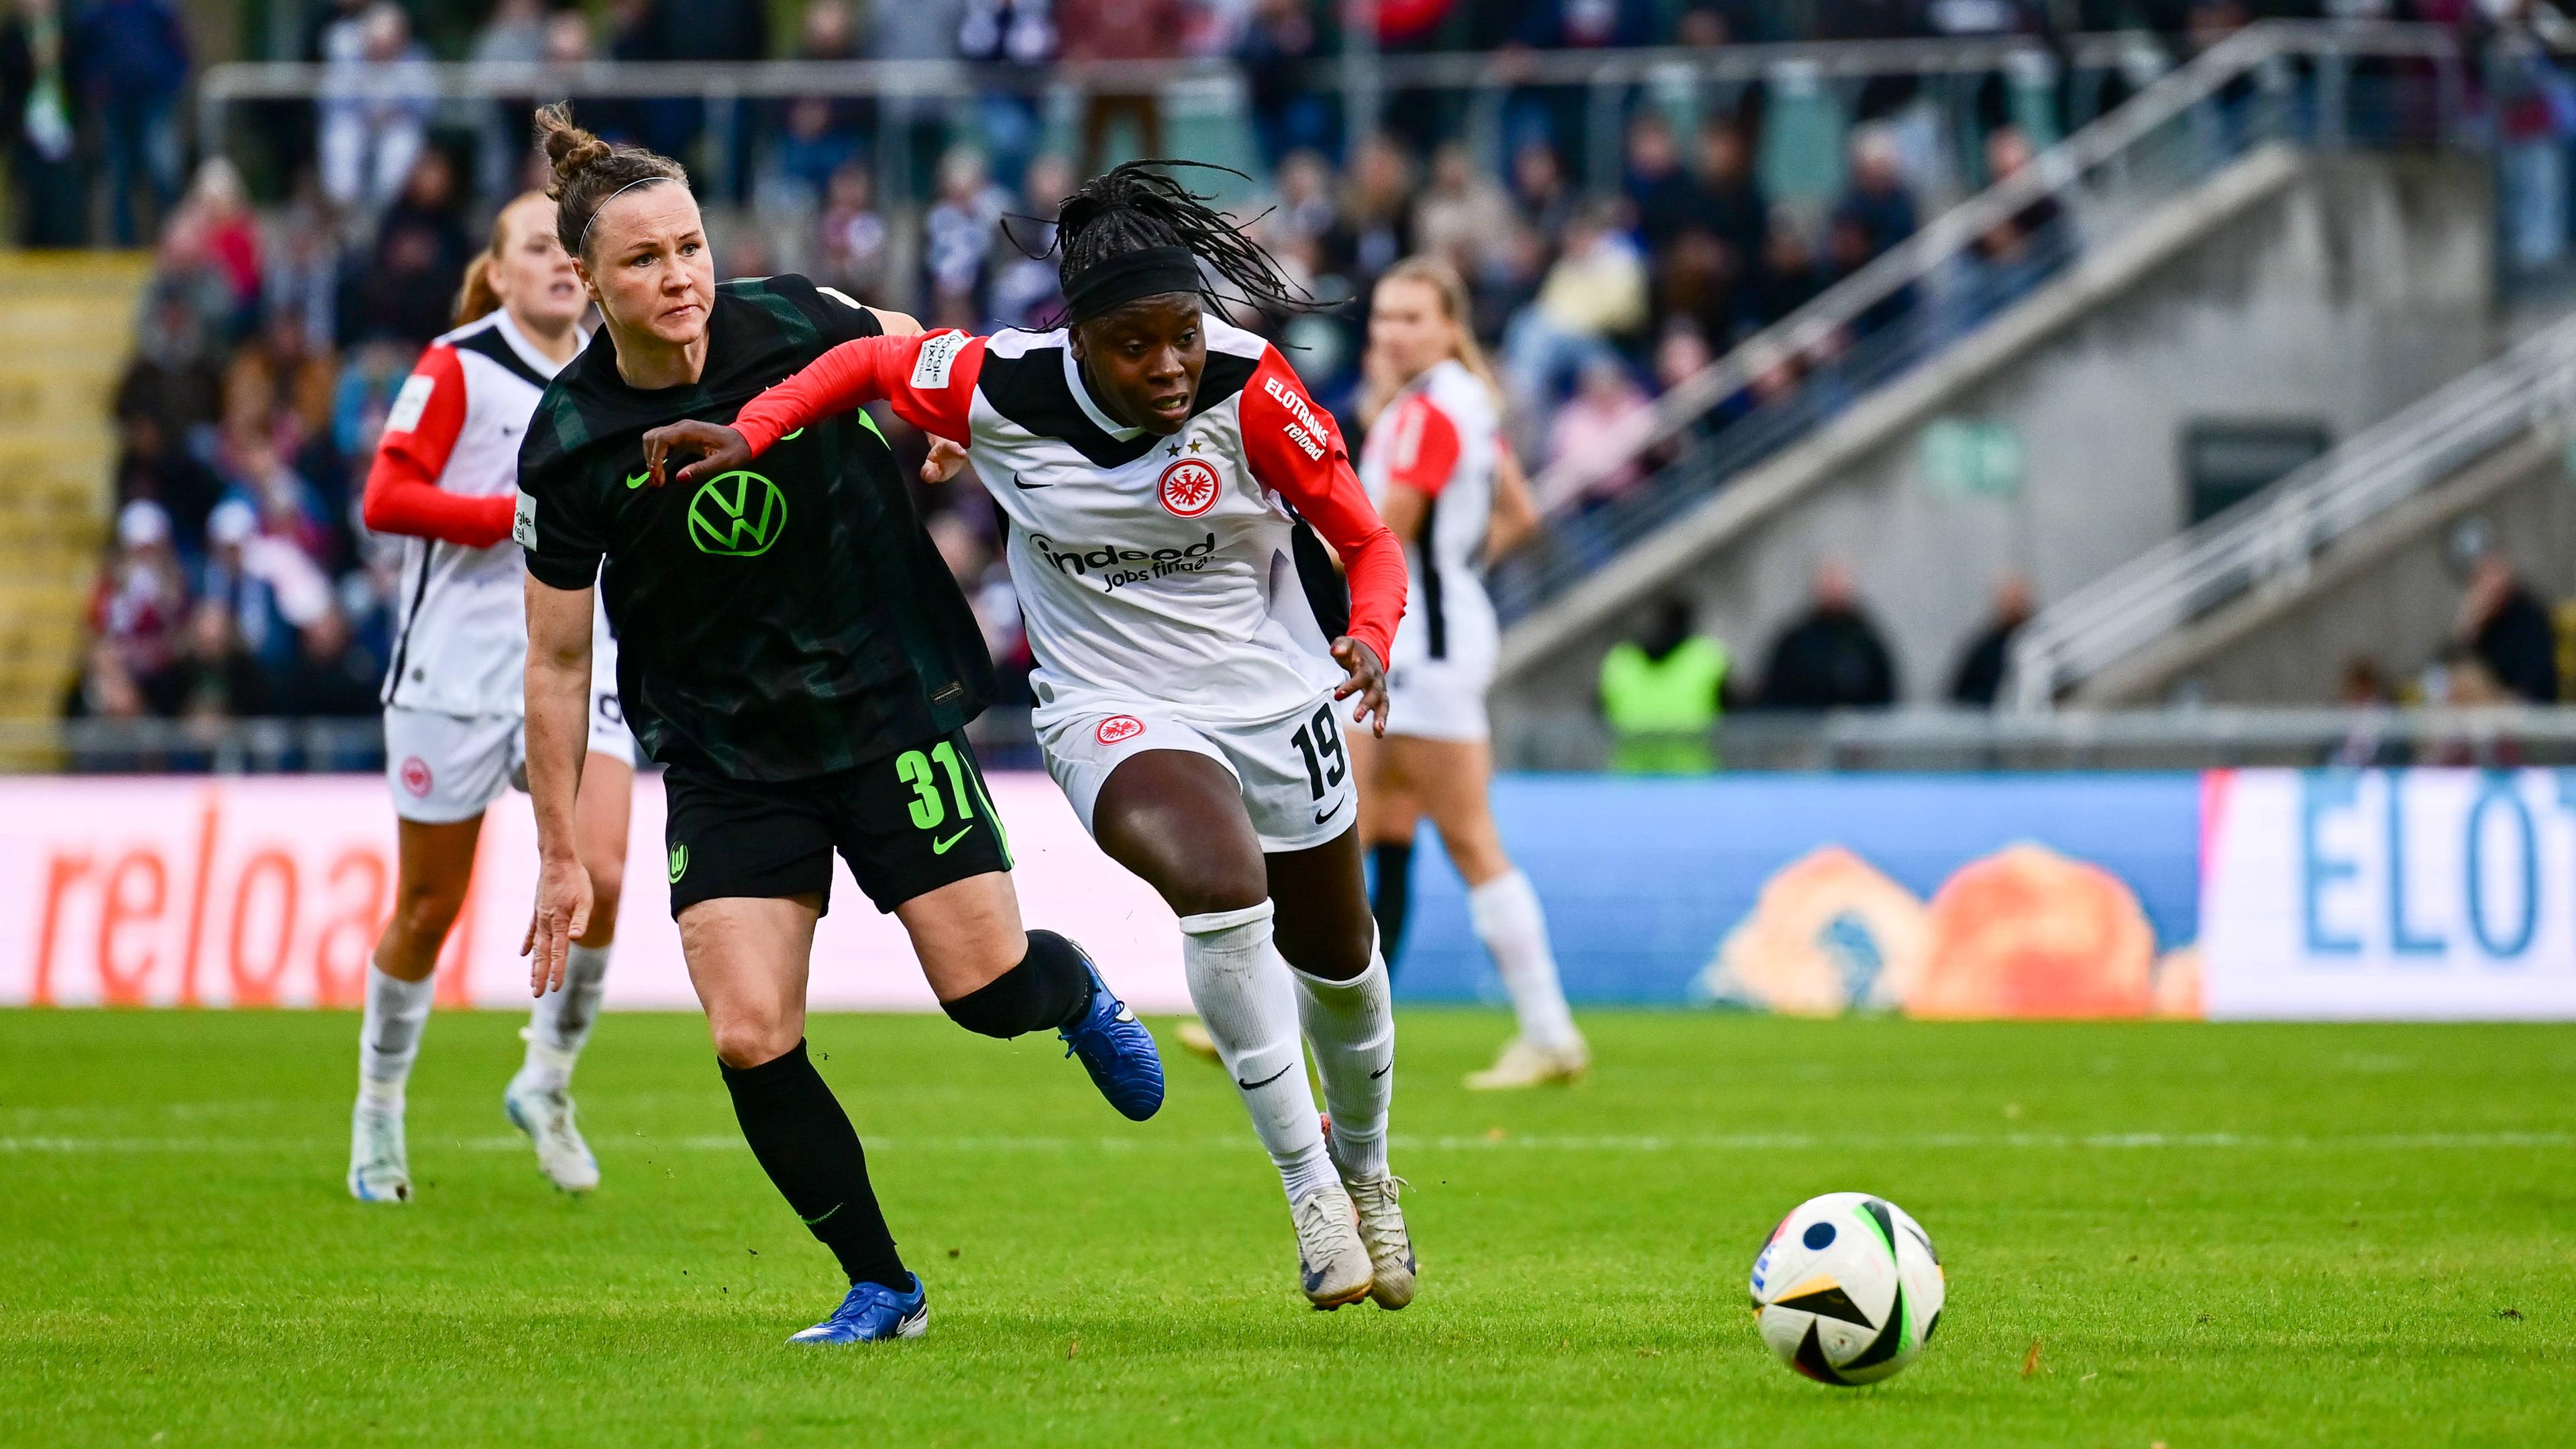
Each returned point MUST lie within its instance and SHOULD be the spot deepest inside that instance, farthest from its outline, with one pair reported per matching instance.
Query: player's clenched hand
(946, 461)
(561, 916)
(722, 450)
(1367, 679)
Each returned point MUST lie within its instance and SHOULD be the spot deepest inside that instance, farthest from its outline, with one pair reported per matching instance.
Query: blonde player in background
(1437, 467)
(445, 478)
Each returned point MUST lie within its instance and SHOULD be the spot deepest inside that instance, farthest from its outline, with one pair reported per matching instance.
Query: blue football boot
(1116, 1049)
(872, 1313)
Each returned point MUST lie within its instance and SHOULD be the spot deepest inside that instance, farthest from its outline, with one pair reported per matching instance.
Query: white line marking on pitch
(1530, 1142)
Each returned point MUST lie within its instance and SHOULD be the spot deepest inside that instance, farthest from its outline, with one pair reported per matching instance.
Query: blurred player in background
(446, 479)
(1437, 467)
(1147, 457)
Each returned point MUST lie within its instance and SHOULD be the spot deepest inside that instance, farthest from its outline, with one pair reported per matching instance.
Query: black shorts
(907, 824)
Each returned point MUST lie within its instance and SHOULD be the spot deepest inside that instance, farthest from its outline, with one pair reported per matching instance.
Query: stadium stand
(1713, 247)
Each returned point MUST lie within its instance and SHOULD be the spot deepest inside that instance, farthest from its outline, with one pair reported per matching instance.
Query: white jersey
(1148, 568)
(1441, 437)
(456, 426)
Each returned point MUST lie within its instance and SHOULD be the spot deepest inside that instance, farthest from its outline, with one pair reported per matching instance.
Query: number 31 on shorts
(921, 769)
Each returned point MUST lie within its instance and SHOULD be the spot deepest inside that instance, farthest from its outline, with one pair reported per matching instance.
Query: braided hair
(1134, 207)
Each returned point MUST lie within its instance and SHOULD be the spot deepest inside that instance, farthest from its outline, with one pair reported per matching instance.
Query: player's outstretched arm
(1293, 449)
(558, 684)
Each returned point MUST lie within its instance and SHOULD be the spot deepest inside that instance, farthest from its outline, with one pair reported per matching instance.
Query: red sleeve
(1294, 449)
(928, 377)
(1422, 451)
(402, 494)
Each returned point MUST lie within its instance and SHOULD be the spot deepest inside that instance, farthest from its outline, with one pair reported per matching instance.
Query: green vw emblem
(739, 514)
(679, 863)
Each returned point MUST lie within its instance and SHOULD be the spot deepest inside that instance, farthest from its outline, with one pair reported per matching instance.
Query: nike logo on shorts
(638, 480)
(1328, 812)
(1265, 1081)
(940, 847)
(1028, 487)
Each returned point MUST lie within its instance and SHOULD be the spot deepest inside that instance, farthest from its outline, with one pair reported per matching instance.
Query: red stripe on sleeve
(1294, 449)
(1423, 449)
(929, 378)
(403, 495)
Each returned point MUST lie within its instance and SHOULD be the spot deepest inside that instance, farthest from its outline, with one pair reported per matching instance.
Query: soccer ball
(1848, 1289)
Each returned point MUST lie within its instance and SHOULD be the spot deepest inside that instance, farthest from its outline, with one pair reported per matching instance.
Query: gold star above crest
(1194, 445)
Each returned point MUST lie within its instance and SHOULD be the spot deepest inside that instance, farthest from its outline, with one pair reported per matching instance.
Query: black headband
(1113, 282)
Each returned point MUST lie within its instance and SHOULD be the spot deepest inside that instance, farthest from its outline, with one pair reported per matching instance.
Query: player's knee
(422, 915)
(1336, 952)
(1204, 884)
(607, 884)
(748, 1039)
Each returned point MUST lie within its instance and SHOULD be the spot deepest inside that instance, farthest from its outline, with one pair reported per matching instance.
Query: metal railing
(1954, 740)
(2273, 539)
(2276, 80)
(2091, 65)
(1901, 739)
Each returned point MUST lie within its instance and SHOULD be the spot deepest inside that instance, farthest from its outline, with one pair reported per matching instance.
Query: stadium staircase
(71, 321)
(2346, 557)
(2188, 195)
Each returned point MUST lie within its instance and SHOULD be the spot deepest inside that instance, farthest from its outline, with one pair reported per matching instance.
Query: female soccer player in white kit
(1147, 459)
(446, 478)
(1437, 467)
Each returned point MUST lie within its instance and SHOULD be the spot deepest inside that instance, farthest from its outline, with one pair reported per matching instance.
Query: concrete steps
(71, 328)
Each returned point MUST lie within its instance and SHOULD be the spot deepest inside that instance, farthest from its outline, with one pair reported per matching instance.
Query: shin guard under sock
(809, 1149)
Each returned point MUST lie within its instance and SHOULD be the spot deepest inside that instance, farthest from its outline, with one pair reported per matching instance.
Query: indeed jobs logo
(1117, 567)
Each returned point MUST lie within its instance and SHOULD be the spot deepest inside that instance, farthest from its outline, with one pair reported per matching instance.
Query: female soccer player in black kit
(797, 656)
(1157, 466)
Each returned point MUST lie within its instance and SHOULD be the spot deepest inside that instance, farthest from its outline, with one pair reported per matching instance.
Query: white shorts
(1294, 772)
(1438, 699)
(444, 767)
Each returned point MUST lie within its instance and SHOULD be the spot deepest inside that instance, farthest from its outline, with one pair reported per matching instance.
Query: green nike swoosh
(940, 847)
(809, 1222)
(638, 480)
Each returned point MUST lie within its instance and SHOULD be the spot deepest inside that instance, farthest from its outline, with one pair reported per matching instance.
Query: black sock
(1391, 897)
(1049, 988)
(805, 1142)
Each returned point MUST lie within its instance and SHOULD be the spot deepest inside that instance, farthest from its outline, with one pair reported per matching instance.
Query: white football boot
(1382, 1231)
(1332, 1262)
(379, 1164)
(1524, 1063)
(546, 1116)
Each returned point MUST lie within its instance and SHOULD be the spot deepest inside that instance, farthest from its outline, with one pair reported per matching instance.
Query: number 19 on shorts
(1320, 741)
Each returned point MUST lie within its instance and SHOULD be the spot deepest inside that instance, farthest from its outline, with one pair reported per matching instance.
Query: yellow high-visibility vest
(1661, 710)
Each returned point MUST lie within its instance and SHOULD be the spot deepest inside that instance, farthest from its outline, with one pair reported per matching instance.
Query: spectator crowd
(272, 338)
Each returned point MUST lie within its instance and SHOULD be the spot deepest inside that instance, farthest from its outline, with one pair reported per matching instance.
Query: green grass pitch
(2206, 1235)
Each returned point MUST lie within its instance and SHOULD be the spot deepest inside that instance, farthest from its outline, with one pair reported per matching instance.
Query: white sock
(1352, 1026)
(561, 1020)
(1240, 984)
(1508, 920)
(389, 1036)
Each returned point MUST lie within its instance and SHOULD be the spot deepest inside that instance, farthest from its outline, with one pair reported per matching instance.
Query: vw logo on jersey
(1118, 728)
(1189, 488)
(739, 514)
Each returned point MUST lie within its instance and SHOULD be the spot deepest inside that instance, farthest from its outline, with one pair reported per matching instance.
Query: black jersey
(774, 623)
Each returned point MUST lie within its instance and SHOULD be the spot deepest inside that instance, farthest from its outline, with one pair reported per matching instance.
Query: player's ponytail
(476, 299)
(1457, 308)
(589, 172)
(1134, 232)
